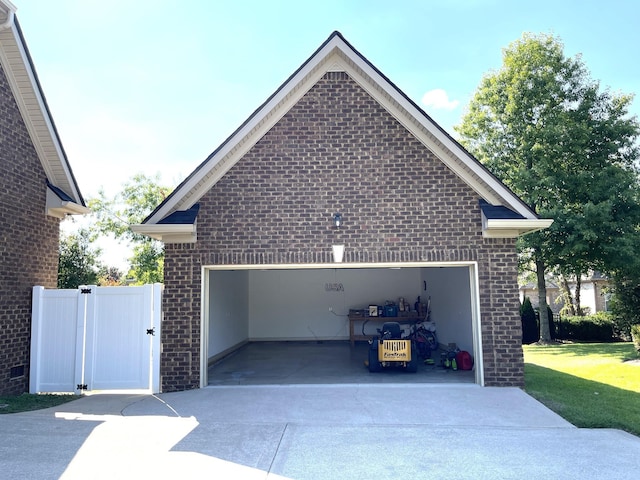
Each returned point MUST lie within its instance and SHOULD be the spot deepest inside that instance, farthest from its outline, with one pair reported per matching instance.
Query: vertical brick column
(499, 305)
(180, 361)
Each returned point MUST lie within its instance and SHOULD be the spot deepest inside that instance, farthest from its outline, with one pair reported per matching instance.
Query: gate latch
(151, 331)
(81, 386)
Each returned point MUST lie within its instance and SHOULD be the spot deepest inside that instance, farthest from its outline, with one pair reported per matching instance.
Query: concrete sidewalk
(312, 432)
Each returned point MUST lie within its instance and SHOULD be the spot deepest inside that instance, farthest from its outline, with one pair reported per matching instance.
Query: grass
(28, 402)
(591, 385)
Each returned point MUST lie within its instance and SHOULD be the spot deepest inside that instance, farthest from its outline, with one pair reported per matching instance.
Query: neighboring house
(37, 189)
(249, 235)
(594, 297)
(554, 295)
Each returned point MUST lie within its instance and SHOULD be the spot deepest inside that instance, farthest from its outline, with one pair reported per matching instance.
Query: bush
(590, 328)
(635, 334)
(530, 332)
(625, 305)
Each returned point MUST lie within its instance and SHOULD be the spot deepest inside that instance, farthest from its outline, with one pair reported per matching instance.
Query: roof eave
(61, 207)
(168, 233)
(512, 228)
(67, 208)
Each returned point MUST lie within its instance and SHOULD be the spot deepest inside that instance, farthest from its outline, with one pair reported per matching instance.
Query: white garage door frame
(473, 284)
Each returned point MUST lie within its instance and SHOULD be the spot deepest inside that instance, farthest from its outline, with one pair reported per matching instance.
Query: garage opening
(293, 324)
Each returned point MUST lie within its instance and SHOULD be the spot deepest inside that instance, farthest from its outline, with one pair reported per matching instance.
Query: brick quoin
(336, 150)
(28, 241)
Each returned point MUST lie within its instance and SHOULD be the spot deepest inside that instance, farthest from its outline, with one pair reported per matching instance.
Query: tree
(529, 323)
(78, 262)
(543, 127)
(147, 264)
(113, 216)
(625, 301)
(625, 304)
(109, 277)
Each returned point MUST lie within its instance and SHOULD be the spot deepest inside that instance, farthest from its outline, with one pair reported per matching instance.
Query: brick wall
(28, 242)
(337, 150)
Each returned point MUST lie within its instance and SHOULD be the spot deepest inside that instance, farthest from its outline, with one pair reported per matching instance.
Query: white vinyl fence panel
(96, 338)
(53, 340)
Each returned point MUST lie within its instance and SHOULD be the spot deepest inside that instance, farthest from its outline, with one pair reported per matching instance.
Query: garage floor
(286, 363)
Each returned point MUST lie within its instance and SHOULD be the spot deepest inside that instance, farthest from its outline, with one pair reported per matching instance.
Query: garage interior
(291, 325)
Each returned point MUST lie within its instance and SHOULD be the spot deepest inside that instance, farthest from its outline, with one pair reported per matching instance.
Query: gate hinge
(151, 331)
(85, 290)
(81, 386)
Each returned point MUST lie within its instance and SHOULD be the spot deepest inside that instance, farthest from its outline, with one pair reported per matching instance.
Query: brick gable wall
(28, 241)
(338, 150)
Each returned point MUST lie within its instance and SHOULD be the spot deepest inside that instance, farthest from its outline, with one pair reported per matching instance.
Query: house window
(607, 299)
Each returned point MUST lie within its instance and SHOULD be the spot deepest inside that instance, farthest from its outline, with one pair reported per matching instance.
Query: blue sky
(155, 86)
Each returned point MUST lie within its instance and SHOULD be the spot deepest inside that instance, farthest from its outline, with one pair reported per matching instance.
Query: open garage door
(310, 306)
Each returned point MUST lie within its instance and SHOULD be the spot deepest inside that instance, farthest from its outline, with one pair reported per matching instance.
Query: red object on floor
(464, 360)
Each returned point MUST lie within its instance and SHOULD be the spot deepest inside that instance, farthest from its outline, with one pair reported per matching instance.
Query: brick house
(37, 189)
(249, 235)
(594, 293)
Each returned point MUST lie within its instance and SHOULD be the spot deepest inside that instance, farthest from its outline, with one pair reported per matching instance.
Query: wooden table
(378, 321)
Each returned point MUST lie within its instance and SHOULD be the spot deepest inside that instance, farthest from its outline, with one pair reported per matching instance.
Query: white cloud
(439, 100)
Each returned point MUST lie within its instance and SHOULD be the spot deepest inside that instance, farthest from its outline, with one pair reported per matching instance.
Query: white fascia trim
(512, 228)
(67, 208)
(168, 233)
(56, 207)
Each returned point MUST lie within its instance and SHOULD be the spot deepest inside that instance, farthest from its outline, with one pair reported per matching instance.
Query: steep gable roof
(336, 54)
(18, 67)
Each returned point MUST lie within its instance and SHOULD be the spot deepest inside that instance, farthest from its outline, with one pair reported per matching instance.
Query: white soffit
(168, 233)
(511, 228)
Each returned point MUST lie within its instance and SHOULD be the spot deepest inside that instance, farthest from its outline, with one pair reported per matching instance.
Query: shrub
(530, 332)
(625, 305)
(591, 328)
(635, 334)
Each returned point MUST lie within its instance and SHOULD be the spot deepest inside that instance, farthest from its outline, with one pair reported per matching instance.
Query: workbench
(376, 322)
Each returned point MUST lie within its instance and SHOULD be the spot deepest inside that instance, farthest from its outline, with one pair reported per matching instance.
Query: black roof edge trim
(60, 193)
(498, 212)
(182, 217)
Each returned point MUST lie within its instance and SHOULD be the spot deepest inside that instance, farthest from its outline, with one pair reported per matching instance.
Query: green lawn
(27, 402)
(591, 385)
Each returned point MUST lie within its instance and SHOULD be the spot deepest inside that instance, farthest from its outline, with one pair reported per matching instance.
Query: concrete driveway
(311, 432)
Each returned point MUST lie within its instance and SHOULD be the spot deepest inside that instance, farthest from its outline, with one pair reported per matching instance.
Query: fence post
(156, 344)
(85, 294)
(36, 331)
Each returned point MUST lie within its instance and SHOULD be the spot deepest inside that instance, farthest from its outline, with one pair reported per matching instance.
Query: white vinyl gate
(96, 338)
